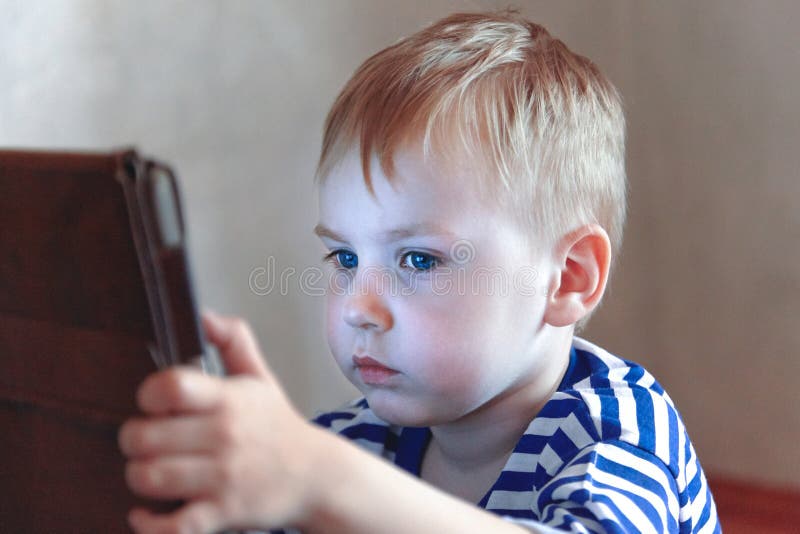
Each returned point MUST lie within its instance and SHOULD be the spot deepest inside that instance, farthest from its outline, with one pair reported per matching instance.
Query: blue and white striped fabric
(607, 453)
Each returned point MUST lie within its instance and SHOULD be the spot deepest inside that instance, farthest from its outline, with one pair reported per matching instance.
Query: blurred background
(233, 95)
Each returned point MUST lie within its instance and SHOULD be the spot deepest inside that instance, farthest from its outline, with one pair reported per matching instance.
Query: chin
(398, 411)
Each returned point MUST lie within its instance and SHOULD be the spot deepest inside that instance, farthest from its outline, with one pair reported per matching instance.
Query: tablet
(95, 294)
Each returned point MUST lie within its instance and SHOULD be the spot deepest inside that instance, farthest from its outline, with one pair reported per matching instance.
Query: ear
(583, 258)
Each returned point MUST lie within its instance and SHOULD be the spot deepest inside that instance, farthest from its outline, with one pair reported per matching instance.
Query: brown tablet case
(95, 294)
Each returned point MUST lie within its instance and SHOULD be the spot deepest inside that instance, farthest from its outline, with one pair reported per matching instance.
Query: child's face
(412, 290)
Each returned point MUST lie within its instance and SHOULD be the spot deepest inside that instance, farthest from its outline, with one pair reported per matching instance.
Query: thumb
(236, 343)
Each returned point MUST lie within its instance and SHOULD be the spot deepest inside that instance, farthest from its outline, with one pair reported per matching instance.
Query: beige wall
(233, 95)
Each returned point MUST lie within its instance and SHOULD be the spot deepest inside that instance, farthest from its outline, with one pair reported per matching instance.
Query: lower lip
(375, 375)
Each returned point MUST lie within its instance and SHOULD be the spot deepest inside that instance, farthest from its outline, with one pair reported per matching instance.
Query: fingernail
(211, 319)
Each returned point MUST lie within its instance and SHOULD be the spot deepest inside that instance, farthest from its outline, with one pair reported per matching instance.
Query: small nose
(366, 308)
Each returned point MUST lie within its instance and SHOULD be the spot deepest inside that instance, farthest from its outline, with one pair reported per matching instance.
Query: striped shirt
(607, 453)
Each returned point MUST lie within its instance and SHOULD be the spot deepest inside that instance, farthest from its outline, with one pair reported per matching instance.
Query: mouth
(373, 372)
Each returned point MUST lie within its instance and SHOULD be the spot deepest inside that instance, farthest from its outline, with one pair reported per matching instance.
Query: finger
(197, 517)
(179, 389)
(173, 477)
(188, 434)
(237, 344)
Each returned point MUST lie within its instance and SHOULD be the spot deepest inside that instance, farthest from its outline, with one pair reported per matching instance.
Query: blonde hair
(544, 120)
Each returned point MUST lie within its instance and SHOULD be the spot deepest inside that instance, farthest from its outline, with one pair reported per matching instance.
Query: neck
(486, 436)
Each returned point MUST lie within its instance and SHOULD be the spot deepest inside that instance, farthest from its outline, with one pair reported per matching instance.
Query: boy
(480, 145)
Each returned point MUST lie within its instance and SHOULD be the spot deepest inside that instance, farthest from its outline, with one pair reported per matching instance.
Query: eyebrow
(417, 229)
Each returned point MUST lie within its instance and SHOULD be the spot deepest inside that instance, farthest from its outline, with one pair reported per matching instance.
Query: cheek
(470, 341)
(335, 328)
(444, 343)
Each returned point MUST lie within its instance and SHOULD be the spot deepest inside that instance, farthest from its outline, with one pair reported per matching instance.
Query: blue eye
(419, 261)
(343, 258)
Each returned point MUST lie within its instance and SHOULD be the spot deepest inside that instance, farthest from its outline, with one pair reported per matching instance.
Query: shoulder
(358, 423)
(604, 399)
(612, 399)
(611, 423)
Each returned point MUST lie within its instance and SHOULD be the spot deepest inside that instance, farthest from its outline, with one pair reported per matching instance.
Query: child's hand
(233, 448)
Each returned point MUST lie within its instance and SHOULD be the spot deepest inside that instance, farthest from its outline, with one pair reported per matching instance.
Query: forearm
(357, 492)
